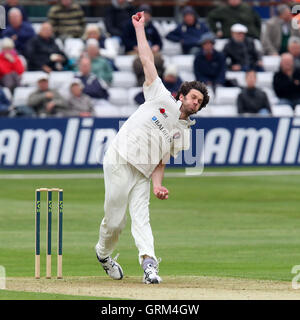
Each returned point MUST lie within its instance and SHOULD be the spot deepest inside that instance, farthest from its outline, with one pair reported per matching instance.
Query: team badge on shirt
(176, 135)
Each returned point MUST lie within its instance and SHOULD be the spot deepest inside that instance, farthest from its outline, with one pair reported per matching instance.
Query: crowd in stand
(22, 49)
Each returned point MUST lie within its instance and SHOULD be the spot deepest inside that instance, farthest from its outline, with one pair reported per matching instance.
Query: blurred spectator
(9, 4)
(252, 99)
(171, 81)
(11, 66)
(20, 31)
(224, 16)
(286, 81)
(80, 104)
(43, 53)
(294, 50)
(152, 35)
(241, 52)
(138, 68)
(67, 19)
(4, 103)
(45, 101)
(189, 31)
(277, 31)
(107, 46)
(100, 65)
(209, 64)
(93, 87)
(117, 17)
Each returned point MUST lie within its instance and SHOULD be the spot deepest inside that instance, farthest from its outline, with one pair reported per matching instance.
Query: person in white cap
(240, 51)
(159, 128)
(45, 101)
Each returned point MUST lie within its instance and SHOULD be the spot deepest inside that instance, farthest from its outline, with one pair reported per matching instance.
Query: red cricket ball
(162, 110)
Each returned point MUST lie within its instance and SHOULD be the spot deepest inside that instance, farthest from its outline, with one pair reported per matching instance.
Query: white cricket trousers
(124, 186)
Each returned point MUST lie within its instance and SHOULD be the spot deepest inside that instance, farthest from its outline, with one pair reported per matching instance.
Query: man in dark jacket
(20, 31)
(286, 81)
(91, 85)
(209, 64)
(241, 51)
(224, 16)
(252, 99)
(43, 53)
(117, 17)
(189, 32)
(152, 35)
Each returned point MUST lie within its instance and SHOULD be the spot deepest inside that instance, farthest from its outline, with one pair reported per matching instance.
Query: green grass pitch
(246, 227)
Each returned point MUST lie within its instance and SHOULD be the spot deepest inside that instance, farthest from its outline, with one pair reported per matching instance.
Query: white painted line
(67, 176)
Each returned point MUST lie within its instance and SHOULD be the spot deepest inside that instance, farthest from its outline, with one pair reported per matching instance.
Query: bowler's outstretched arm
(144, 50)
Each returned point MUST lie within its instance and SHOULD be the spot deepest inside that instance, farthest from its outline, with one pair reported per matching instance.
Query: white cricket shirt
(154, 131)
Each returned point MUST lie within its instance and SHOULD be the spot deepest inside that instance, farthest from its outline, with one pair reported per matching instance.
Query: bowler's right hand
(138, 20)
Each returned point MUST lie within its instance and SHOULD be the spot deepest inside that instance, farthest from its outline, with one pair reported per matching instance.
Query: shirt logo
(163, 112)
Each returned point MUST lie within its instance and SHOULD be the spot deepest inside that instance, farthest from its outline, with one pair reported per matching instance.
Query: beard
(187, 108)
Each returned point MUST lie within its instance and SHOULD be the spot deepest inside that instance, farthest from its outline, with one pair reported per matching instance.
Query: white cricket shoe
(111, 267)
(151, 274)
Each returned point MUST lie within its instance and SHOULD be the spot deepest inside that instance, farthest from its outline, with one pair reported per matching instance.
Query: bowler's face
(191, 102)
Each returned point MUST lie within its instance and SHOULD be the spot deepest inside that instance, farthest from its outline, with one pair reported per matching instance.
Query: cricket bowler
(160, 128)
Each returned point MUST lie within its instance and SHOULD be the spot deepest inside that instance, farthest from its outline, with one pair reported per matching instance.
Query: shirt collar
(188, 122)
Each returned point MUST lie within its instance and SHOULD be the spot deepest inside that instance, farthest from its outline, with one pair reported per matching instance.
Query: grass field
(233, 227)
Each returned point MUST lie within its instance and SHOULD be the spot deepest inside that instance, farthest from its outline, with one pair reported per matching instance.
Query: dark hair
(186, 87)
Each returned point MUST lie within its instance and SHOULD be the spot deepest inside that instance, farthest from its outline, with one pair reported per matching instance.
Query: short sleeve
(155, 90)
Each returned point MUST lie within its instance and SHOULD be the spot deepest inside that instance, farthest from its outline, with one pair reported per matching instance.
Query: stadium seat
(131, 95)
(226, 96)
(271, 63)
(239, 76)
(282, 111)
(127, 111)
(60, 79)
(258, 45)
(164, 27)
(7, 93)
(21, 95)
(187, 75)
(297, 110)
(123, 79)
(107, 111)
(273, 99)
(223, 111)
(220, 44)
(73, 47)
(124, 62)
(171, 48)
(184, 62)
(206, 112)
(264, 79)
(118, 96)
(36, 27)
(29, 78)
